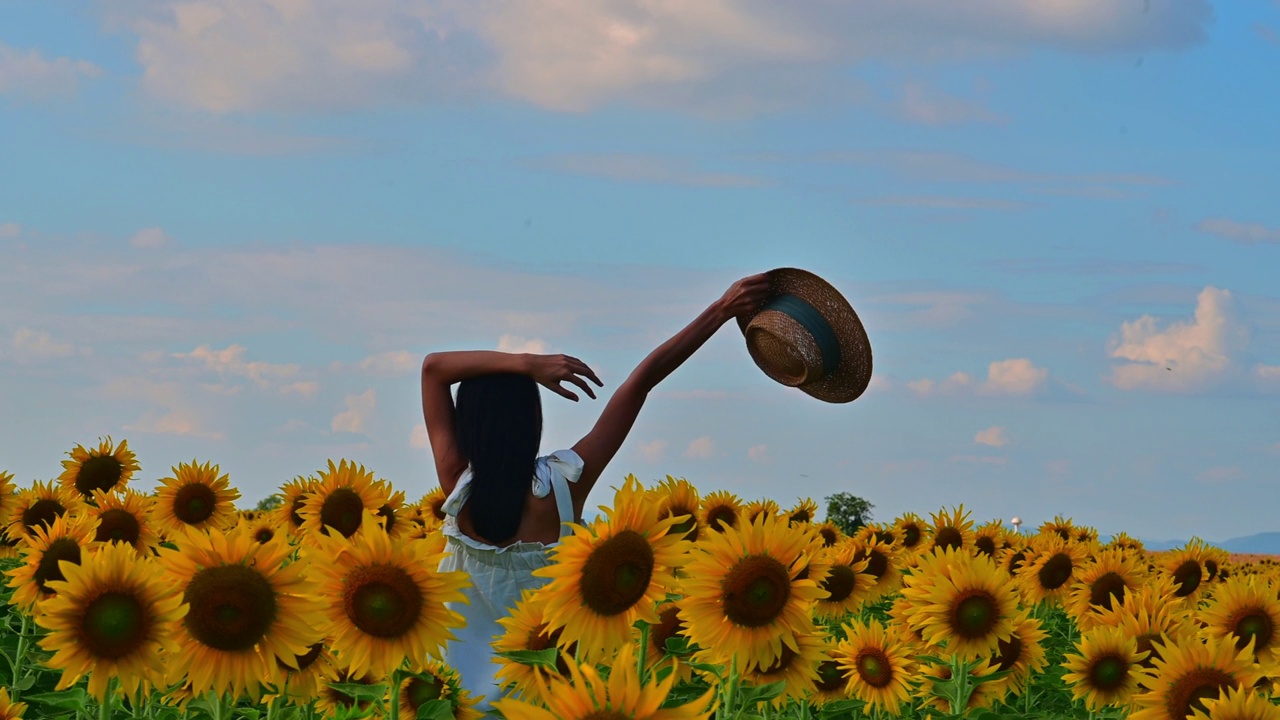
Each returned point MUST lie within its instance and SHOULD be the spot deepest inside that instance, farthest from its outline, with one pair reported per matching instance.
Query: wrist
(720, 311)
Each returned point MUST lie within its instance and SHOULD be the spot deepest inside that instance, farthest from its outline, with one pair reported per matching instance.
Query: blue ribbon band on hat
(796, 308)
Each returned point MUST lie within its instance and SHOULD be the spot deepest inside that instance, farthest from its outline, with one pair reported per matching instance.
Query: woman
(506, 505)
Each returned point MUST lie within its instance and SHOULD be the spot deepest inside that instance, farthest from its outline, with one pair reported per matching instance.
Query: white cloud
(713, 56)
(152, 237)
(355, 418)
(395, 362)
(700, 448)
(1243, 233)
(925, 105)
(1015, 376)
(29, 74)
(10, 230)
(955, 383)
(230, 362)
(31, 344)
(1186, 355)
(653, 451)
(515, 344)
(169, 411)
(994, 436)
(306, 388)
(418, 437)
(759, 453)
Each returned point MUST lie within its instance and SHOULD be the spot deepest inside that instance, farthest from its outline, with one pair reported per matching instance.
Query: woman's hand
(550, 370)
(745, 295)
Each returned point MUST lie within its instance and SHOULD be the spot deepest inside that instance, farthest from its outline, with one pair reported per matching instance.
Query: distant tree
(849, 512)
(270, 502)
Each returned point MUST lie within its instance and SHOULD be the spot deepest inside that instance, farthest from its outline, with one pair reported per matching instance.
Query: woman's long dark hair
(498, 423)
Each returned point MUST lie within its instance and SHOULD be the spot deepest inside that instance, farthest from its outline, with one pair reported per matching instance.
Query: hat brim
(853, 374)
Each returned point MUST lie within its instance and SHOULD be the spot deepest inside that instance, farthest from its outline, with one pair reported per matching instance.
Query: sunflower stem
(19, 656)
(643, 653)
(395, 694)
(108, 699)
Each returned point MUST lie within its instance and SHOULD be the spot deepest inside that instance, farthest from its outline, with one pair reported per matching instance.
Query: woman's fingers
(582, 384)
(582, 369)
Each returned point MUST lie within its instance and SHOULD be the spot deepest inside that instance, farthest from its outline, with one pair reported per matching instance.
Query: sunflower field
(670, 605)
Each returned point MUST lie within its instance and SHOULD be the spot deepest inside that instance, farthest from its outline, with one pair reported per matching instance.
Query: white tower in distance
(1016, 522)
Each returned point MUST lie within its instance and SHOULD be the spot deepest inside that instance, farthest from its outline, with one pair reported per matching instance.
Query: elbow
(428, 364)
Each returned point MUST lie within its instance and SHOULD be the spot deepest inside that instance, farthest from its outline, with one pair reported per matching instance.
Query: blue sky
(229, 231)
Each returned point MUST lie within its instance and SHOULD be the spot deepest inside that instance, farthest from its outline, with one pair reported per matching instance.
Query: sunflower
(436, 681)
(677, 498)
(1014, 556)
(989, 538)
(39, 505)
(110, 619)
(123, 517)
(1215, 558)
(1100, 585)
(881, 533)
(195, 498)
(585, 696)
(910, 628)
(301, 682)
(1122, 541)
(525, 629)
(830, 532)
(433, 502)
(754, 509)
(1051, 565)
(1022, 654)
(882, 565)
(8, 497)
(293, 496)
(105, 468)
(911, 528)
(68, 540)
(1058, 526)
(1105, 668)
(1150, 613)
(962, 601)
(668, 627)
(833, 681)
(720, 509)
(1188, 673)
(605, 577)
(743, 598)
(262, 528)
(1247, 610)
(847, 581)
(1238, 704)
(330, 701)
(392, 515)
(803, 512)
(382, 600)
(1186, 566)
(797, 668)
(879, 665)
(951, 529)
(339, 499)
(8, 545)
(245, 608)
(983, 693)
(10, 710)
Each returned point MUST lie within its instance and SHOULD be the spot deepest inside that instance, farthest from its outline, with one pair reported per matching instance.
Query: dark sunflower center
(1253, 624)
(342, 510)
(304, 661)
(47, 570)
(231, 607)
(382, 600)
(782, 663)
(1107, 590)
(344, 700)
(910, 535)
(1063, 533)
(1191, 690)
(100, 472)
(194, 503)
(975, 615)
(877, 562)
(1147, 644)
(297, 504)
(437, 508)
(1210, 568)
(114, 625)
(986, 545)
(118, 525)
(1108, 673)
(830, 677)
(42, 512)
(606, 715)
(1008, 652)
(840, 582)
(721, 517)
(617, 573)
(755, 591)
(687, 528)
(539, 639)
(6, 539)
(829, 536)
(885, 536)
(264, 534)
(874, 667)
(1016, 560)
(948, 537)
(419, 691)
(669, 625)
(800, 516)
(1056, 571)
(1188, 576)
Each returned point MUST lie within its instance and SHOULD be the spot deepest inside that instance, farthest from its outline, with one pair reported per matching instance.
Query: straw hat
(806, 335)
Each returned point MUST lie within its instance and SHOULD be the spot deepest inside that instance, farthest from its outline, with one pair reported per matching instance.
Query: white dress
(498, 574)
